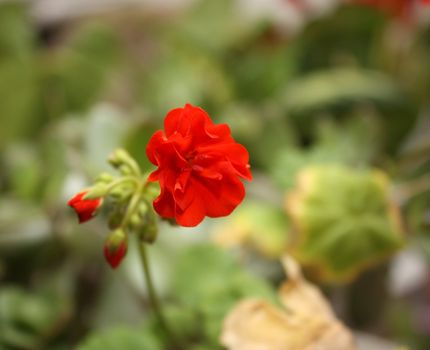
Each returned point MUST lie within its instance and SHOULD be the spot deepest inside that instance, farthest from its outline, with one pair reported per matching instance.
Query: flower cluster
(199, 171)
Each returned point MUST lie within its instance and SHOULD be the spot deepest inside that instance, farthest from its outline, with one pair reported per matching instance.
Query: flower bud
(116, 158)
(84, 207)
(122, 155)
(121, 192)
(115, 218)
(135, 220)
(121, 160)
(125, 169)
(115, 247)
(149, 232)
(143, 208)
(97, 191)
(104, 178)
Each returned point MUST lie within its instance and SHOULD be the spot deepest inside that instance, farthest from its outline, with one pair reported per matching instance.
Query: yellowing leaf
(343, 219)
(305, 320)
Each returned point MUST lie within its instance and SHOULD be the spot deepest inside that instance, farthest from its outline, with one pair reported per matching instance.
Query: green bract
(343, 219)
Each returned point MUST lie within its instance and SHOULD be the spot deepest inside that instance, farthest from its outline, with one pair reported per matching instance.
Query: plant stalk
(153, 298)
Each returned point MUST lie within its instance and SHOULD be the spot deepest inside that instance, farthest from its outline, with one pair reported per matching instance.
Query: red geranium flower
(84, 208)
(199, 166)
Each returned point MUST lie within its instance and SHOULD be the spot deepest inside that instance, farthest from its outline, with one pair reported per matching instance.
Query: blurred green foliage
(258, 226)
(30, 320)
(217, 281)
(122, 338)
(344, 220)
(350, 91)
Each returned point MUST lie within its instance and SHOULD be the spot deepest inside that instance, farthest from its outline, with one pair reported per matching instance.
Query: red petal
(164, 204)
(211, 198)
(194, 213)
(234, 152)
(221, 197)
(84, 208)
(114, 255)
(154, 143)
(185, 121)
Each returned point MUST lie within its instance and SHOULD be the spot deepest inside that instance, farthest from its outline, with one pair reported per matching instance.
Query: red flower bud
(84, 208)
(115, 248)
(199, 167)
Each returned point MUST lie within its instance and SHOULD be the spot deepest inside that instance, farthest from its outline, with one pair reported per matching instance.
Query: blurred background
(330, 97)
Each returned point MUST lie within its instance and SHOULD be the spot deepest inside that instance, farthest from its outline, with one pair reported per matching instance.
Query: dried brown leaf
(305, 322)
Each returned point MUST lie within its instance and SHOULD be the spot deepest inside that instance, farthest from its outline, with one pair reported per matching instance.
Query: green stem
(121, 180)
(131, 162)
(153, 298)
(151, 291)
(132, 205)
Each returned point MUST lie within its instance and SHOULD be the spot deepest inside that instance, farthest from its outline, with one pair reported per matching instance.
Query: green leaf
(80, 71)
(184, 75)
(29, 319)
(121, 338)
(209, 281)
(259, 73)
(350, 143)
(344, 220)
(18, 85)
(347, 36)
(208, 17)
(104, 132)
(18, 97)
(17, 38)
(338, 87)
(24, 170)
(22, 224)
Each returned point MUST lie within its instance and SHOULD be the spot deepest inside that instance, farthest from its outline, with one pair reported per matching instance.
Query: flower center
(190, 157)
(196, 160)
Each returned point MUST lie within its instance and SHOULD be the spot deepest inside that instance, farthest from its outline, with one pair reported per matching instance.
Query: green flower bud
(143, 208)
(121, 160)
(124, 169)
(115, 218)
(121, 192)
(122, 155)
(118, 157)
(135, 220)
(104, 178)
(148, 230)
